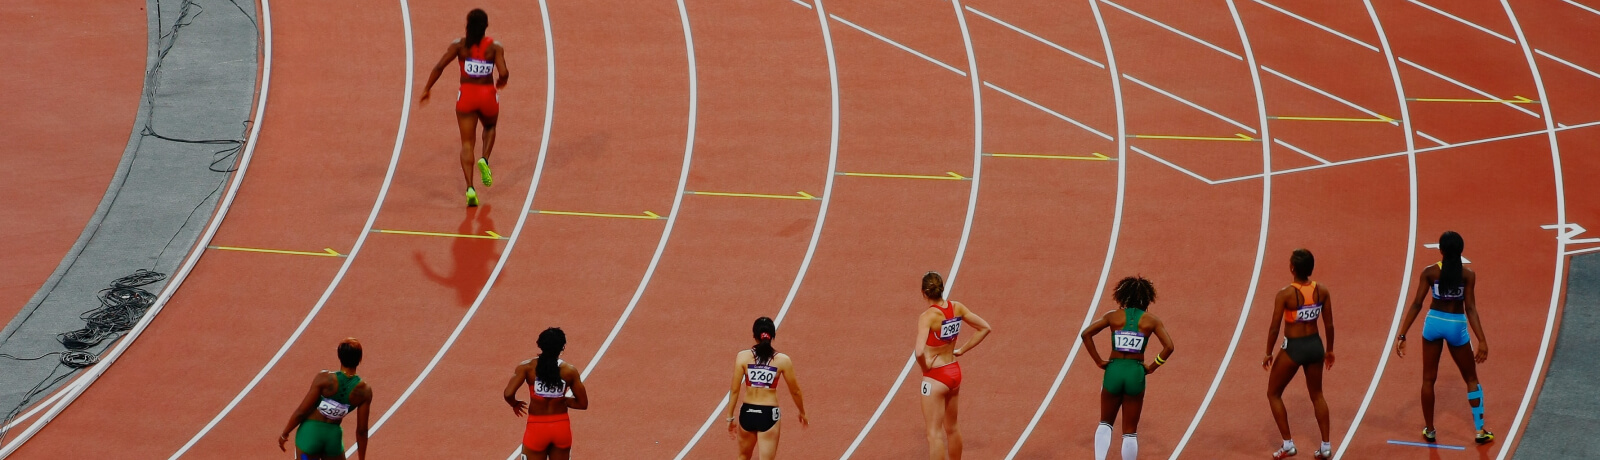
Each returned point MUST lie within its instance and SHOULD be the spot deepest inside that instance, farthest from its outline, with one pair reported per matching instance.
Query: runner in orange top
(553, 386)
(936, 353)
(1300, 304)
(481, 57)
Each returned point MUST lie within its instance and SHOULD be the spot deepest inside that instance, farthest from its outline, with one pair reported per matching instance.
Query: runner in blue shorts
(1454, 309)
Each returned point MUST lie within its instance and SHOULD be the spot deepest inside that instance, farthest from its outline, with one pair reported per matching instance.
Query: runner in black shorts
(755, 383)
(1299, 304)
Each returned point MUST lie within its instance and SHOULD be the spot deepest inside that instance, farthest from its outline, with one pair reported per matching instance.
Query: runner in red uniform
(553, 386)
(481, 57)
(936, 353)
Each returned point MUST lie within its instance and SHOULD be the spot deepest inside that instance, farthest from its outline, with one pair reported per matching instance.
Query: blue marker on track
(1430, 446)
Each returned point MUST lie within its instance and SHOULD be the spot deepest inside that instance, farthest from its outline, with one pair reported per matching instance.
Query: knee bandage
(1477, 411)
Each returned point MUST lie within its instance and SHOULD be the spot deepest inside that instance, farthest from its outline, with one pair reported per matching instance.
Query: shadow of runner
(471, 258)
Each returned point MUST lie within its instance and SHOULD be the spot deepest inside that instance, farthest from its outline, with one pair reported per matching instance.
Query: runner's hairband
(1160, 361)
(766, 336)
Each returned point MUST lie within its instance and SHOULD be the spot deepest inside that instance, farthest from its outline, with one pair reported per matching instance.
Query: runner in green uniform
(333, 395)
(1123, 386)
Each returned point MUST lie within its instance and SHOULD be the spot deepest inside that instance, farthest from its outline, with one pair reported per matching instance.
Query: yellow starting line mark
(798, 196)
(326, 252)
(488, 234)
(1097, 156)
(1380, 119)
(1516, 100)
(646, 215)
(1236, 138)
(951, 175)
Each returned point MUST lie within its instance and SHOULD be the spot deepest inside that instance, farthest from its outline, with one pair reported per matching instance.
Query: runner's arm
(580, 394)
(1167, 346)
(983, 330)
(438, 69)
(518, 376)
(925, 323)
(362, 415)
(500, 65)
(1277, 323)
(1087, 337)
(794, 387)
(306, 404)
(733, 389)
(1411, 312)
(1327, 317)
(1471, 308)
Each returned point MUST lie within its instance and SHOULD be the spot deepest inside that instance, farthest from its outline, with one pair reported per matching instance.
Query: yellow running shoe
(472, 197)
(483, 169)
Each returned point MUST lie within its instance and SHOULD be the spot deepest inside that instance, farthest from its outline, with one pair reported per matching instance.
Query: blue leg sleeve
(1477, 412)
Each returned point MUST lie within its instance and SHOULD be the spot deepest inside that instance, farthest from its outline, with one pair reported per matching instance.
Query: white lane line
(1047, 110)
(1037, 38)
(1464, 21)
(511, 244)
(355, 251)
(1326, 94)
(1411, 238)
(70, 392)
(1319, 26)
(1400, 154)
(897, 44)
(1190, 104)
(1173, 29)
(1561, 244)
(677, 197)
(1467, 87)
(801, 3)
(1585, 250)
(1174, 165)
(1300, 151)
(1431, 138)
(1261, 243)
(1111, 247)
(816, 230)
(966, 228)
(1580, 5)
(1569, 64)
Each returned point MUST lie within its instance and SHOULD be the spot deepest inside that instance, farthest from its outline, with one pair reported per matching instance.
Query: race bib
(949, 329)
(333, 410)
(926, 388)
(1308, 313)
(1127, 341)
(556, 389)
(477, 68)
(760, 375)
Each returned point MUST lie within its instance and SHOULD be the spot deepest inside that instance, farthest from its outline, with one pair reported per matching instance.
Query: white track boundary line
(1172, 165)
(1037, 38)
(1190, 104)
(801, 3)
(1411, 242)
(1300, 151)
(1464, 21)
(1111, 247)
(1173, 29)
(1468, 87)
(1561, 243)
(1261, 243)
(70, 392)
(1319, 26)
(1568, 63)
(816, 229)
(1047, 110)
(1326, 94)
(39, 407)
(966, 228)
(1582, 251)
(511, 243)
(897, 45)
(1580, 5)
(1431, 138)
(388, 179)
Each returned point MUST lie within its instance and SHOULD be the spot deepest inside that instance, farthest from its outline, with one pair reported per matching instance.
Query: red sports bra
(475, 65)
(948, 329)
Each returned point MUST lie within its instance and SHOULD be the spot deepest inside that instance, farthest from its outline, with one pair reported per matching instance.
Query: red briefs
(478, 98)
(545, 431)
(949, 375)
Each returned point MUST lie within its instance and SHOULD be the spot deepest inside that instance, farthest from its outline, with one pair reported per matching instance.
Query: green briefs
(1124, 377)
(326, 439)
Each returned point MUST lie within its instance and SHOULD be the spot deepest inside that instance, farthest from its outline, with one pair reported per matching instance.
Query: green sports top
(1129, 339)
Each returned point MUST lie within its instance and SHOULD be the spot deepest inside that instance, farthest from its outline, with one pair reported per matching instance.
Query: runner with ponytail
(554, 386)
(477, 103)
(1454, 310)
(937, 329)
(754, 421)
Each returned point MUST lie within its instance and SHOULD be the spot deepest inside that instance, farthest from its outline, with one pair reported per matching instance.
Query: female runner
(1454, 309)
(757, 370)
(1123, 386)
(476, 103)
(936, 353)
(1300, 304)
(332, 396)
(553, 386)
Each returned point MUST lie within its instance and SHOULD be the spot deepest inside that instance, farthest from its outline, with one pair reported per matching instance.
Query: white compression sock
(1130, 446)
(1102, 441)
(1288, 444)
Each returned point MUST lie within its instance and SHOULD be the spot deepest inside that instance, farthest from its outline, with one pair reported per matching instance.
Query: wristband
(1160, 361)
(1401, 338)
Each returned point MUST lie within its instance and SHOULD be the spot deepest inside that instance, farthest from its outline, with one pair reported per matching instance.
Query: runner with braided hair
(554, 386)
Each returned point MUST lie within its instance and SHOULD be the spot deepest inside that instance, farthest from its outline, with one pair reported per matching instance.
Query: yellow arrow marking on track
(1380, 119)
(1516, 100)
(646, 215)
(326, 252)
(489, 235)
(948, 176)
(1097, 156)
(1236, 138)
(798, 196)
